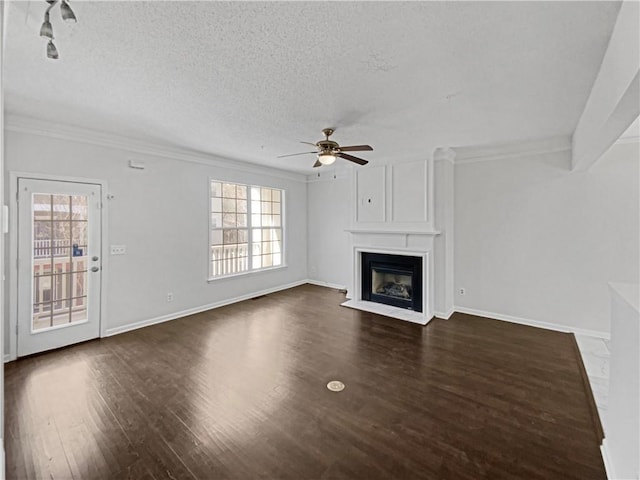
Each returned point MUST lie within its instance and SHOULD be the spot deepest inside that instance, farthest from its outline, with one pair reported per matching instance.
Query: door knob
(95, 269)
(94, 258)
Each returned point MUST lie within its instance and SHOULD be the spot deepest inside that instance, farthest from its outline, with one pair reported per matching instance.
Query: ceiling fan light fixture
(52, 51)
(326, 158)
(46, 30)
(67, 13)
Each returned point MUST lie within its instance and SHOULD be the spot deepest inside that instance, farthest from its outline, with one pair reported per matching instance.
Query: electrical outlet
(462, 291)
(118, 249)
(169, 297)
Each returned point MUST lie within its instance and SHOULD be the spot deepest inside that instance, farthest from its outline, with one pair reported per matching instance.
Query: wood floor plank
(240, 392)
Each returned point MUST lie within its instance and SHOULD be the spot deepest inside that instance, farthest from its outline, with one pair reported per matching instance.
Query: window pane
(79, 207)
(275, 207)
(266, 194)
(255, 193)
(62, 233)
(241, 191)
(277, 259)
(216, 220)
(229, 205)
(275, 220)
(216, 237)
(61, 207)
(266, 220)
(79, 233)
(242, 219)
(255, 207)
(216, 205)
(229, 220)
(216, 189)
(242, 206)
(266, 261)
(266, 207)
(243, 236)
(275, 195)
(230, 237)
(229, 190)
(255, 221)
(256, 262)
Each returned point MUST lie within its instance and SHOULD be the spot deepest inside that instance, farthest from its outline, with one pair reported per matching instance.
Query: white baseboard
(445, 315)
(8, 358)
(326, 284)
(606, 458)
(191, 311)
(534, 323)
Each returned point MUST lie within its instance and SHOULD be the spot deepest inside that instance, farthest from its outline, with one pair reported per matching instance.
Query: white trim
(606, 458)
(622, 140)
(427, 277)
(533, 323)
(20, 124)
(388, 311)
(393, 232)
(445, 315)
(319, 283)
(191, 311)
(7, 358)
(484, 153)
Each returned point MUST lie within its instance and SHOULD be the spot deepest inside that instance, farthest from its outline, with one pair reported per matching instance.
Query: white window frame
(250, 228)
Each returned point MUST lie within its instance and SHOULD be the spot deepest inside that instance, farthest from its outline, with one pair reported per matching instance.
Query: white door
(59, 264)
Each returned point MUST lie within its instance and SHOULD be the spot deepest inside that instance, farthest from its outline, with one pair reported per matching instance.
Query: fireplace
(392, 280)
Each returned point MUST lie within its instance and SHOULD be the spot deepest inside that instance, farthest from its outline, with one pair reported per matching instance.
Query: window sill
(249, 272)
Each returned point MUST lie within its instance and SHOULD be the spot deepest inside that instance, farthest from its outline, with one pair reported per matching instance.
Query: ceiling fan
(328, 150)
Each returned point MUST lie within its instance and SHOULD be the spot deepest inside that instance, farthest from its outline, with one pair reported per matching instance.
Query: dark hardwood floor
(240, 392)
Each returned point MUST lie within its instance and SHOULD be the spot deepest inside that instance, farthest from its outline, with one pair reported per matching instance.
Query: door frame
(12, 279)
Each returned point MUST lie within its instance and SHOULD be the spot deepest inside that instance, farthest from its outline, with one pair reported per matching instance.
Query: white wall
(161, 215)
(536, 241)
(329, 215)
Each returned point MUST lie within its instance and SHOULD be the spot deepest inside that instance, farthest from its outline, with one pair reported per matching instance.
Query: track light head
(52, 51)
(46, 30)
(67, 13)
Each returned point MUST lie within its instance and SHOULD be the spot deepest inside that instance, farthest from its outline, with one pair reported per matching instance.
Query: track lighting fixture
(67, 13)
(52, 51)
(46, 30)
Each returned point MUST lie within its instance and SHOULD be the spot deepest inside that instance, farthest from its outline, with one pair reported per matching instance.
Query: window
(246, 228)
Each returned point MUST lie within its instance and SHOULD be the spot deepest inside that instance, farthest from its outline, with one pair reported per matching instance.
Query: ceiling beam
(614, 101)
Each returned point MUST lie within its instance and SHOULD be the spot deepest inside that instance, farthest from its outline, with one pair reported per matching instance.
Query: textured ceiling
(249, 80)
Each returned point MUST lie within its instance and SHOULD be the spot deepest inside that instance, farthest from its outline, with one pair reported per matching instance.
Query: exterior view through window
(245, 228)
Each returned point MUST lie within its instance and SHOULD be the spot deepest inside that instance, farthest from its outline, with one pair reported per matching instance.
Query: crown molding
(33, 126)
(631, 139)
(484, 153)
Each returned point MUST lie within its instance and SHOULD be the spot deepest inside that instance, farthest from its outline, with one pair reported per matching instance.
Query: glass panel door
(59, 264)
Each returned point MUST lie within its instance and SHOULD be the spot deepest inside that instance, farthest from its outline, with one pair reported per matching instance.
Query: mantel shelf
(394, 232)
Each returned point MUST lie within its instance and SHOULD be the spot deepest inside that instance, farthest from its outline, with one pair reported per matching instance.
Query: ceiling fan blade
(294, 154)
(356, 148)
(317, 164)
(309, 143)
(351, 158)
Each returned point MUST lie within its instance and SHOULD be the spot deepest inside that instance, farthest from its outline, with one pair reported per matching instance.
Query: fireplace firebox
(394, 280)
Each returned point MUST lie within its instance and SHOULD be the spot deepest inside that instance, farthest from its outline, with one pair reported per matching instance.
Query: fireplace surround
(394, 280)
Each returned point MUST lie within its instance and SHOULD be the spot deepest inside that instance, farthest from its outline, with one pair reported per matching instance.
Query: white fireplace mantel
(412, 243)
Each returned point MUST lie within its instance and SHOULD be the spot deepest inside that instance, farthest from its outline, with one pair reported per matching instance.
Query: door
(59, 265)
